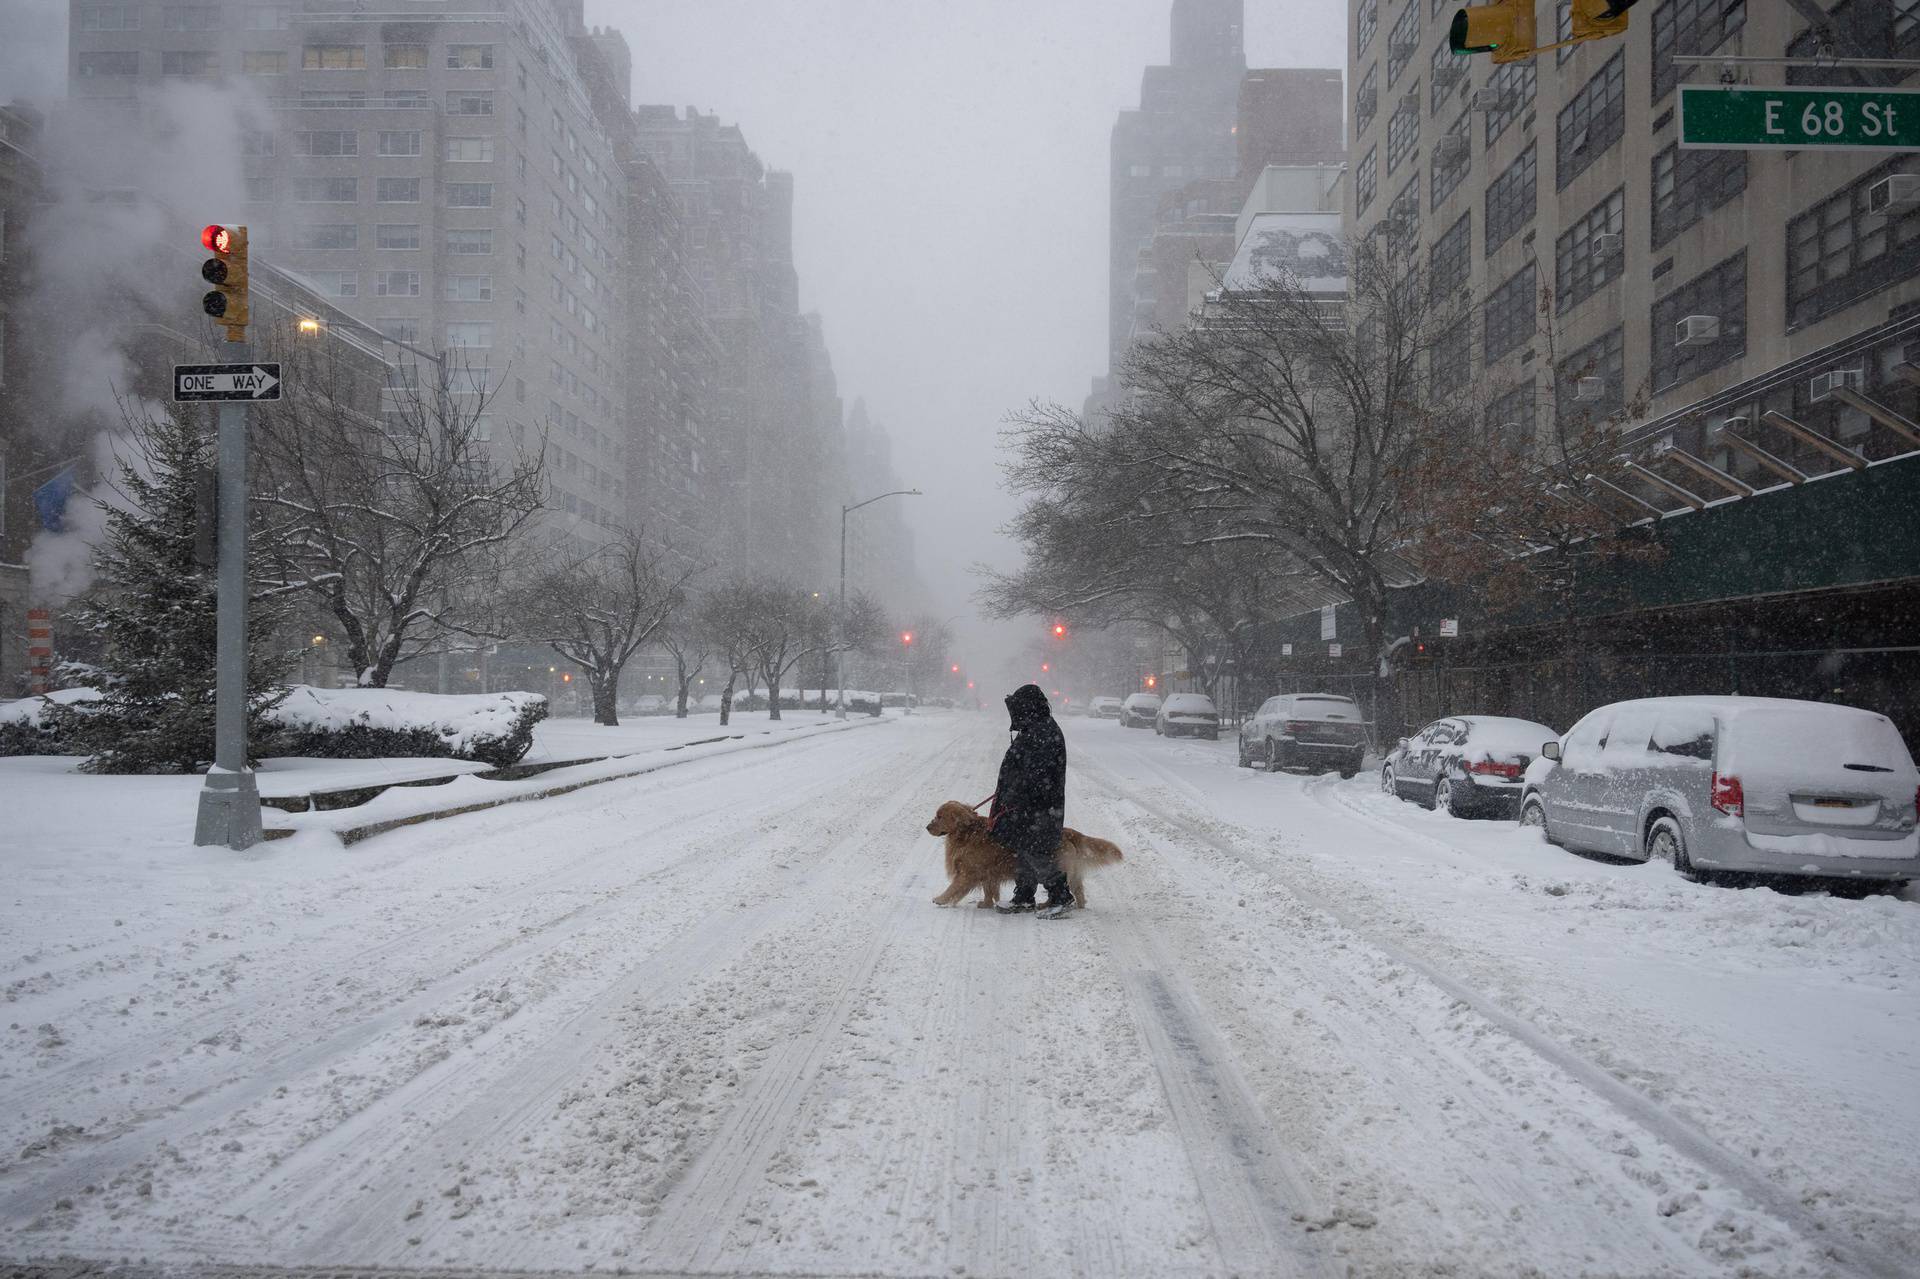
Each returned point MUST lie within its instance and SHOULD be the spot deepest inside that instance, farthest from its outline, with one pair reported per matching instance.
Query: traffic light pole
(230, 801)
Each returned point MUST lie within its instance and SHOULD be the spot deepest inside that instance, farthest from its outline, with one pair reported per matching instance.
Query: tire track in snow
(1660, 1123)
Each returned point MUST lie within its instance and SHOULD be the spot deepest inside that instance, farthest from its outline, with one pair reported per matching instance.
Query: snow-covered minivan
(1755, 784)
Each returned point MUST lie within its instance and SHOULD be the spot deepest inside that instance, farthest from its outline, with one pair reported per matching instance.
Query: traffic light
(1151, 681)
(1059, 630)
(956, 668)
(1046, 666)
(226, 271)
(1504, 29)
(1421, 652)
(1597, 19)
(906, 637)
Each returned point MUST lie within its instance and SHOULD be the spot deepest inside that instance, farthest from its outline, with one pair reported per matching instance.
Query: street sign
(1713, 118)
(1286, 650)
(1449, 627)
(1333, 650)
(192, 382)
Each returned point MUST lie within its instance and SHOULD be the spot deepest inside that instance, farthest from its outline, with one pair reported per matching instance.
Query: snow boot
(1016, 908)
(1057, 910)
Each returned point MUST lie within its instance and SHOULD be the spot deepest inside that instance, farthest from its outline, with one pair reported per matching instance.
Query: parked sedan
(1139, 710)
(1466, 765)
(1305, 730)
(1104, 708)
(1188, 714)
(1755, 784)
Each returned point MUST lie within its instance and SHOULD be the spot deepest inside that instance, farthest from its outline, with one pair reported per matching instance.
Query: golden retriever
(976, 860)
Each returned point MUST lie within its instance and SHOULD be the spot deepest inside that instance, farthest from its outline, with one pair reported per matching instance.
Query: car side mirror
(1551, 751)
(1402, 745)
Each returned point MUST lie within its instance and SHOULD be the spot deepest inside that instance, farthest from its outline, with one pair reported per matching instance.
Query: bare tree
(391, 507)
(860, 628)
(688, 643)
(598, 606)
(726, 616)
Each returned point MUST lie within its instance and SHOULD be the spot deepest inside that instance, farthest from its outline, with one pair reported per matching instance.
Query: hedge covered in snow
(375, 723)
(27, 729)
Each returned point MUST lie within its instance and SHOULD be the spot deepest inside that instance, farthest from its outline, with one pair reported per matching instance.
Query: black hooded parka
(1030, 803)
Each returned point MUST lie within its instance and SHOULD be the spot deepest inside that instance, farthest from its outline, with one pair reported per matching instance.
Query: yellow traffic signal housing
(1506, 30)
(1596, 19)
(226, 271)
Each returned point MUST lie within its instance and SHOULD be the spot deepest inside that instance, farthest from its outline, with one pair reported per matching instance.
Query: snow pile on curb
(371, 723)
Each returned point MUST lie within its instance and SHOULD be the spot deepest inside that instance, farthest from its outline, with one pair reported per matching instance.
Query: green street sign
(1721, 119)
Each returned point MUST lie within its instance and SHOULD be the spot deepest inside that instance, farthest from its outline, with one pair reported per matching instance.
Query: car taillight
(1488, 768)
(1294, 727)
(1728, 797)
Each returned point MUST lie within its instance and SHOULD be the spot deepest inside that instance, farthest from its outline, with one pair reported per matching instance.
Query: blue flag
(50, 499)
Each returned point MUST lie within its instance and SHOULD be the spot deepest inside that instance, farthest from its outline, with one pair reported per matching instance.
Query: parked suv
(1733, 783)
(1466, 765)
(1139, 710)
(1188, 713)
(1305, 730)
(1104, 708)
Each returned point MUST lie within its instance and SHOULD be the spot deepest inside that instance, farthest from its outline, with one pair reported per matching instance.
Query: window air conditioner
(1589, 389)
(1447, 75)
(1410, 102)
(1451, 150)
(1489, 100)
(1825, 384)
(1608, 243)
(1401, 50)
(1697, 330)
(1895, 194)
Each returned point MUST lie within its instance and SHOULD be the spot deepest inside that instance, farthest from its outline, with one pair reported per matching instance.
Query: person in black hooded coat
(1030, 804)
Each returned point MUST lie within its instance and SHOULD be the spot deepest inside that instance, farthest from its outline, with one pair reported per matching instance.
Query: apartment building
(1676, 293)
(439, 175)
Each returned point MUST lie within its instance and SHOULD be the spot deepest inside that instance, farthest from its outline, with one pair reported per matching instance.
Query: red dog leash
(988, 800)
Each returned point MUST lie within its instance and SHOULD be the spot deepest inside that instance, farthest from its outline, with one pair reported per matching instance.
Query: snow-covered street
(706, 1021)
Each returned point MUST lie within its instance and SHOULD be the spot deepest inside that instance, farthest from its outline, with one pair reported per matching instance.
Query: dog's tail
(1100, 852)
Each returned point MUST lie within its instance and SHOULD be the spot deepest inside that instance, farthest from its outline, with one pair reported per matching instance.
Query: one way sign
(226, 382)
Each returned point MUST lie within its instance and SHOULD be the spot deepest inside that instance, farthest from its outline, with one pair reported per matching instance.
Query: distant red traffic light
(1059, 630)
(217, 239)
(956, 668)
(906, 637)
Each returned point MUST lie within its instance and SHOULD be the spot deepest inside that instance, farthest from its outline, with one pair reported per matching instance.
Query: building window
(405, 57)
(406, 99)
(1368, 22)
(469, 150)
(333, 57)
(1838, 253)
(1452, 259)
(90, 65)
(1512, 198)
(190, 17)
(1447, 177)
(1593, 121)
(469, 102)
(467, 288)
(1721, 293)
(333, 99)
(1514, 86)
(189, 62)
(397, 235)
(402, 328)
(469, 335)
(326, 190)
(1366, 102)
(1604, 359)
(1510, 312)
(327, 235)
(336, 284)
(1403, 41)
(263, 62)
(1450, 361)
(470, 242)
(1403, 129)
(397, 190)
(1690, 27)
(396, 284)
(109, 17)
(469, 57)
(1140, 170)
(1688, 185)
(1445, 71)
(266, 17)
(1514, 416)
(399, 142)
(1563, 31)
(1365, 179)
(256, 142)
(1582, 267)
(469, 195)
(326, 142)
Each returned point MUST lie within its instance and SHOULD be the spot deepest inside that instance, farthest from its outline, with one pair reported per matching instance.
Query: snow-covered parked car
(1184, 714)
(1467, 765)
(1305, 730)
(1139, 710)
(1753, 784)
(1104, 708)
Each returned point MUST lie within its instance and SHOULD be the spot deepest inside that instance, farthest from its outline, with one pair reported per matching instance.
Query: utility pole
(840, 619)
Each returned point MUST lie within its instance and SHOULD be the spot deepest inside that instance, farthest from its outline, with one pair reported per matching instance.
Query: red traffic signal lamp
(1151, 681)
(1046, 666)
(226, 271)
(906, 637)
(956, 668)
(1059, 630)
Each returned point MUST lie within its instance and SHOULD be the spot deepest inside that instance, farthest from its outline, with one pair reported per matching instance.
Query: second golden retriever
(976, 860)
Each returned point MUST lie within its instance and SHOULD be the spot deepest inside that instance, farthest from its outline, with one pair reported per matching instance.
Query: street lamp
(840, 653)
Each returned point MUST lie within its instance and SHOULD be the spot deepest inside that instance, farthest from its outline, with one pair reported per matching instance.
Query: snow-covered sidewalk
(706, 1021)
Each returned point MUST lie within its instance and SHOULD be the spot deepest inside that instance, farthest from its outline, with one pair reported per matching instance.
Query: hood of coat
(1027, 706)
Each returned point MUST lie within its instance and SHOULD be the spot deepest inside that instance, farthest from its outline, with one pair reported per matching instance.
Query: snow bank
(366, 723)
(23, 726)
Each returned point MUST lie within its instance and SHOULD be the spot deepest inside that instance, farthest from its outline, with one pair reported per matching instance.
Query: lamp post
(840, 616)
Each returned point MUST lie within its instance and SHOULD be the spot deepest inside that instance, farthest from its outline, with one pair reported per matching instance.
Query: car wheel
(1443, 796)
(1387, 784)
(1665, 843)
(1276, 759)
(1533, 812)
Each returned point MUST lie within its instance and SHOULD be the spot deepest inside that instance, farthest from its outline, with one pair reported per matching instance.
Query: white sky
(950, 165)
